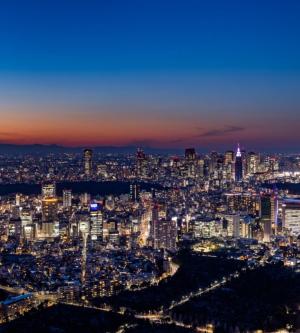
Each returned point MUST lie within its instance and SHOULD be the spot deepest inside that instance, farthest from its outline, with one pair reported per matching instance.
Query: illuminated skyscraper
(48, 190)
(266, 216)
(49, 226)
(18, 199)
(228, 164)
(49, 209)
(84, 229)
(229, 157)
(67, 198)
(190, 154)
(232, 225)
(135, 190)
(164, 234)
(252, 163)
(291, 216)
(238, 165)
(87, 161)
(96, 222)
(141, 163)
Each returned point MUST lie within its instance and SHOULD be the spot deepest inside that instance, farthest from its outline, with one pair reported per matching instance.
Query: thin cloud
(221, 131)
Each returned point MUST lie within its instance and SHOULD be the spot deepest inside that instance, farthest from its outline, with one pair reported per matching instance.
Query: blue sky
(208, 65)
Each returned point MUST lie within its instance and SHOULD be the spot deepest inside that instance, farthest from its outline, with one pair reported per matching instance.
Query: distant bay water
(92, 187)
(293, 188)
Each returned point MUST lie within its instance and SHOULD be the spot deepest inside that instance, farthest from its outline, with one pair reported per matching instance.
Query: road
(37, 294)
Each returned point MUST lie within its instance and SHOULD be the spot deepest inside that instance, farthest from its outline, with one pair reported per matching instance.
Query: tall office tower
(102, 170)
(190, 154)
(87, 161)
(49, 210)
(252, 163)
(238, 165)
(141, 163)
(18, 199)
(84, 229)
(190, 157)
(274, 211)
(265, 215)
(48, 190)
(291, 216)
(49, 218)
(25, 217)
(201, 167)
(229, 157)
(135, 190)
(96, 219)
(233, 225)
(145, 227)
(67, 198)
(110, 203)
(228, 164)
(85, 199)
(213, 161)
(164, 234)
(27, 224)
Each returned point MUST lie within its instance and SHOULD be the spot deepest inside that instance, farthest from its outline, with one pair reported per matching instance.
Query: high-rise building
(274, 211)
(291, 216)
(85, 199)
(28, 228)
(135, 190)
(96, 219)
(265, 215)
(141, 163)
(67, 198)
(190, 154)
(164, 234)
(18, 199)
(48, 190)
(252, 163)
(49, 210)
(229, 157)
(87, 161)
(49, 226)
(49, 218)
(238, 165)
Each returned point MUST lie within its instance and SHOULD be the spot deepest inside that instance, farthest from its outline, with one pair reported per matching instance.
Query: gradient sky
(154, 73)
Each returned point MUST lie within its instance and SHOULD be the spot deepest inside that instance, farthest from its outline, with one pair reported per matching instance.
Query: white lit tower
(238, 165)
(84, 229)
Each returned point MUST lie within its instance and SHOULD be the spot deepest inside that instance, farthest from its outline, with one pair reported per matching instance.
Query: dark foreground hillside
(267, 299)
(66, 319)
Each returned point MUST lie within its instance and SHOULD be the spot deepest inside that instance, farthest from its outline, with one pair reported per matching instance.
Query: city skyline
(163, 75)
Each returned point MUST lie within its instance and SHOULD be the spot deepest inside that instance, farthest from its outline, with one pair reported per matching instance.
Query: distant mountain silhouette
(53, 148)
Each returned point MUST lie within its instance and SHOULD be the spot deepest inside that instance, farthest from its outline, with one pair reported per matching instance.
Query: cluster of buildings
(81, 246)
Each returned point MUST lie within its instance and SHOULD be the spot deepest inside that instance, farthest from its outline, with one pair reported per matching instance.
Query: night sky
(153, 73)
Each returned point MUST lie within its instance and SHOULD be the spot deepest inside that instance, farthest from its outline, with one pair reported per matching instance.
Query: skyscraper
(190, 154)
(141, 163)
(67, 198)
(252, 163)
(48, 190)
(49, 226)
(135, 190)
(265, 214)
(96, 221)
(87, 161)
(238, 165)
(164, 234)
(291, 216)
